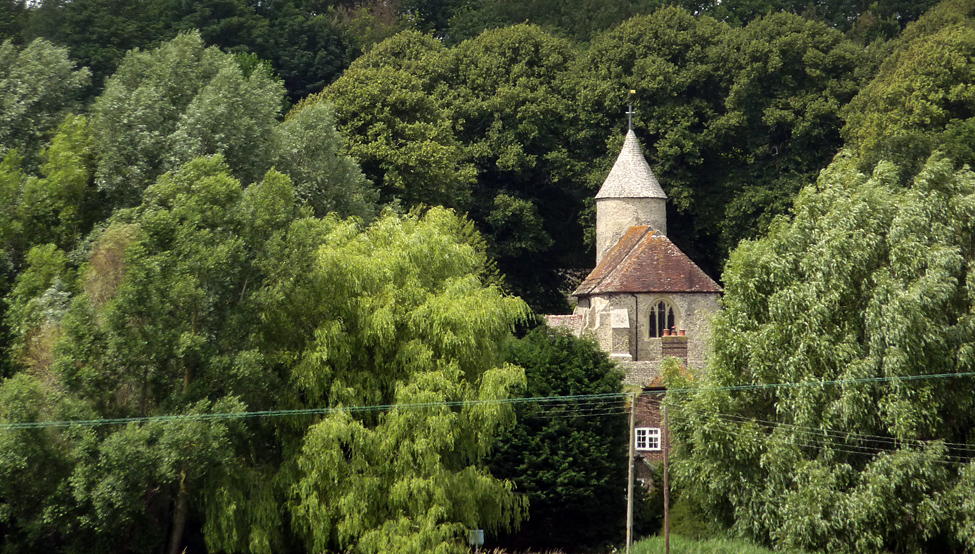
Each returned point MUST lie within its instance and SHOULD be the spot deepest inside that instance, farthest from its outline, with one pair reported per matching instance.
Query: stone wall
(694, 312)
(615, 216)
(630, 343)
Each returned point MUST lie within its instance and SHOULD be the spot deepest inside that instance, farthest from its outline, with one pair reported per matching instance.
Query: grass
(679, 545)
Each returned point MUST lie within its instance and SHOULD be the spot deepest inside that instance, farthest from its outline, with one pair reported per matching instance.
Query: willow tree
(863, 299)
(210, 299)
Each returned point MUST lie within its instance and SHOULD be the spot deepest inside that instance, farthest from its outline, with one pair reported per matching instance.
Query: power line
(549, 401)
(843, 435)
(823, 383)
(840, 441)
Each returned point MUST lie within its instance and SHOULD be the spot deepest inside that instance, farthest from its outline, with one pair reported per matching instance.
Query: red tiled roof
(645, 261)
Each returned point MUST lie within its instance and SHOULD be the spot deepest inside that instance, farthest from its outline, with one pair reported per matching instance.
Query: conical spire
(631, 176)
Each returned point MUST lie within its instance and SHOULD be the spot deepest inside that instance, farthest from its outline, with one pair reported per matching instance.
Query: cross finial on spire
(630, 112)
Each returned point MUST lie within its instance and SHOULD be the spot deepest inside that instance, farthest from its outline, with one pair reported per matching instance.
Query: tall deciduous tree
(867, 284)
(922, 99)
(397, 130)
(733, 120)
(569, 459)
(167, 106)
(208, 299)
(39, 85)
(479, 127)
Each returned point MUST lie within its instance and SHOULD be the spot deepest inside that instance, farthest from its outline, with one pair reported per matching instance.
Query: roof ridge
(636, 242)
(650, 263)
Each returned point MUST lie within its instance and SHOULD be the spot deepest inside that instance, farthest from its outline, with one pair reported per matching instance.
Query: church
(645, 300)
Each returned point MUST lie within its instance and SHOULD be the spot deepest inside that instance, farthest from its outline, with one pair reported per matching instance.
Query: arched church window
(661, 317)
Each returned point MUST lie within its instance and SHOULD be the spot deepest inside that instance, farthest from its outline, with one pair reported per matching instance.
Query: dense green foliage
(209, 298)
(867, 280)
(182, 100)
(568, 459)
(518, 128)
(478, 127)
(306, 47)
(39, 85)
(173, 244)
(921, 99)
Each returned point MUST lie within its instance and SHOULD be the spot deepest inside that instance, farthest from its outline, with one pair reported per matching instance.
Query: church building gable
(643, 261)
(645, 300)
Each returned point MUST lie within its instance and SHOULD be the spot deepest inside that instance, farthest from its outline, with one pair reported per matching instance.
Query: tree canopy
(921, 99)
(273, 331)
(39, 85)
(208, 300)
(568, 458)
(866, 284)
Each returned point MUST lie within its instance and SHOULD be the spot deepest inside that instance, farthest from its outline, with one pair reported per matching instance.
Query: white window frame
(647, 439)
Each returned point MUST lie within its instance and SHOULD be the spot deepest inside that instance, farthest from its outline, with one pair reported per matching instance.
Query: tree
(99, 33)
(733, 120)
(865, 284)
(167, 106)
(478, 127)
(307, 147)
(571, 465)
(841, 14)
(307, 49)
(39, 85)
(412, 325)
(790, 79)
(397, 131)
(920, 101)
(510, 91)
(577, 21)
(12, 16)
(209, 299)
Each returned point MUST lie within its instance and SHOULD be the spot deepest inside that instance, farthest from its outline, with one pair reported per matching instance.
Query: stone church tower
(630, 196)
(645, 300)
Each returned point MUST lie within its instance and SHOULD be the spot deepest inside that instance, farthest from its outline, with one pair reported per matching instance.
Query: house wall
(640, 355)
(649, 414)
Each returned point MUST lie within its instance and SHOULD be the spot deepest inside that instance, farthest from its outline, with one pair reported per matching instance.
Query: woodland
(271, 271)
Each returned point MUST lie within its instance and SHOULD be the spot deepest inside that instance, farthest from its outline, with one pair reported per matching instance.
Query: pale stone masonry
(645, 300)
(630, 196)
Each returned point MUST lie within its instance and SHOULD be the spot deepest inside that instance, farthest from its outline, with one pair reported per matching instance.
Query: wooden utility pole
(630, 452)
(666, 439)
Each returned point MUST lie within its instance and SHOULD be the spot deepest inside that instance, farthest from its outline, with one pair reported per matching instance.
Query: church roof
(645, 261)
(631, 176)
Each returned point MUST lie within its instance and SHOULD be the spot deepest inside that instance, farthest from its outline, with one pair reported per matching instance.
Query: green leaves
(209, 299)
(570, 465)
(921, 99)
(167, 106)
(866, 280)
(39, 85)
(307, 147)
